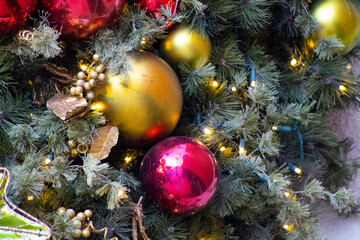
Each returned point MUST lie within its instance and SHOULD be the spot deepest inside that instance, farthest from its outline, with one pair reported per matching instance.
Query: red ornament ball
(180, 174)
(81, 18)
(154, 6)
(13, 14)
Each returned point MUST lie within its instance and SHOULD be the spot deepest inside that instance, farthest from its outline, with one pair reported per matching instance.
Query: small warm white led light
(215, 84)
(288, 227)
(97, 107)
(47, 161)
(222, 149)
(83, 68)
(207, 131)
(274, 128)
(298, 170)
(342, 88)
(287, 194)
(121, 193)
(127, 159)
(253, 83)
(242, 150)
(293, 62)
(233, 89)
(30, 198)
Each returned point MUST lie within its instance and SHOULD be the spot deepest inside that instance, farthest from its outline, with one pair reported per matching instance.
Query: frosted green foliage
(343, 200)
(115, 193)
(267, 145)
(28, 140)
(61, 172)
(327, 47)
(194, 78)
(93, 170)
(308, 24)
(253, 14)
(170, 227)
(314, 190)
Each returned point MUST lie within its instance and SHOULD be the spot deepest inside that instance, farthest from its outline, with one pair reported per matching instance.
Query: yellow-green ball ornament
(340, 18)
(184, 44)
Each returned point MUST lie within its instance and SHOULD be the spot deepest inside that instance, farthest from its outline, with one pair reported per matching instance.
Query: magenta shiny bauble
(81, 18)
(180, 174)
(153, 7)
(13, 14)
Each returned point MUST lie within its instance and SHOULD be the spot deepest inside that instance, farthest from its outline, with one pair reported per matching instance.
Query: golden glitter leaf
(65, 106)
(103, 142)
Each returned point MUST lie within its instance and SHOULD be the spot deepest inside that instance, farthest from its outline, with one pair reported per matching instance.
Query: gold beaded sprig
(76, 149)
(81, 223)
(87, 78)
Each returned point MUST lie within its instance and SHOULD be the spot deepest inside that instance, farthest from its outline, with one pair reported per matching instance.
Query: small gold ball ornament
(93, 75)
(77, 233)
(81, 216)
(61, 211)
(81, 75)
(184, 44)
(70, 213)
(90, 95)
(100, 68)
(337, 17)
(85, 233)
(92, 82)
(147, 106)
(76, 223)
(88, 213)
(96, 57)
(72, 143)
(102, 77)
(74, 153)
(80, 83)
(79, 90)
(73, 91)
(87, 86)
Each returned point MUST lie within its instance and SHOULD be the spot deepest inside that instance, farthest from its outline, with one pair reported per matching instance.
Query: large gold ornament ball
(147, 105)
(184, 44)
(340, 18)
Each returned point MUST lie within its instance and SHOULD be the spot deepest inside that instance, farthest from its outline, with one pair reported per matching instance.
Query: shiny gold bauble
(72, 143)
(184, 44)
(340, 18)
(88, 213)
(86, 233)
(81, 216)
(61, 211)
(146, 106)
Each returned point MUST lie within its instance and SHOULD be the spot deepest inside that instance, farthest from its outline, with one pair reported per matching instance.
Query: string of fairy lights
(295, 62)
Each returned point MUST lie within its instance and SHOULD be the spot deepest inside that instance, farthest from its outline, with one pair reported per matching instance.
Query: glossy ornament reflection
(180, 174)
(81, 18)
(184, 44)
(337, 17)
(13, 14)
(153, 7)
(145, 107)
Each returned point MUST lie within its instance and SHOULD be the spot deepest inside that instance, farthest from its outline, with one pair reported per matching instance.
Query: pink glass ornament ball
(79, 19)
(180, 175)
(154, 6)
(13, 14)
